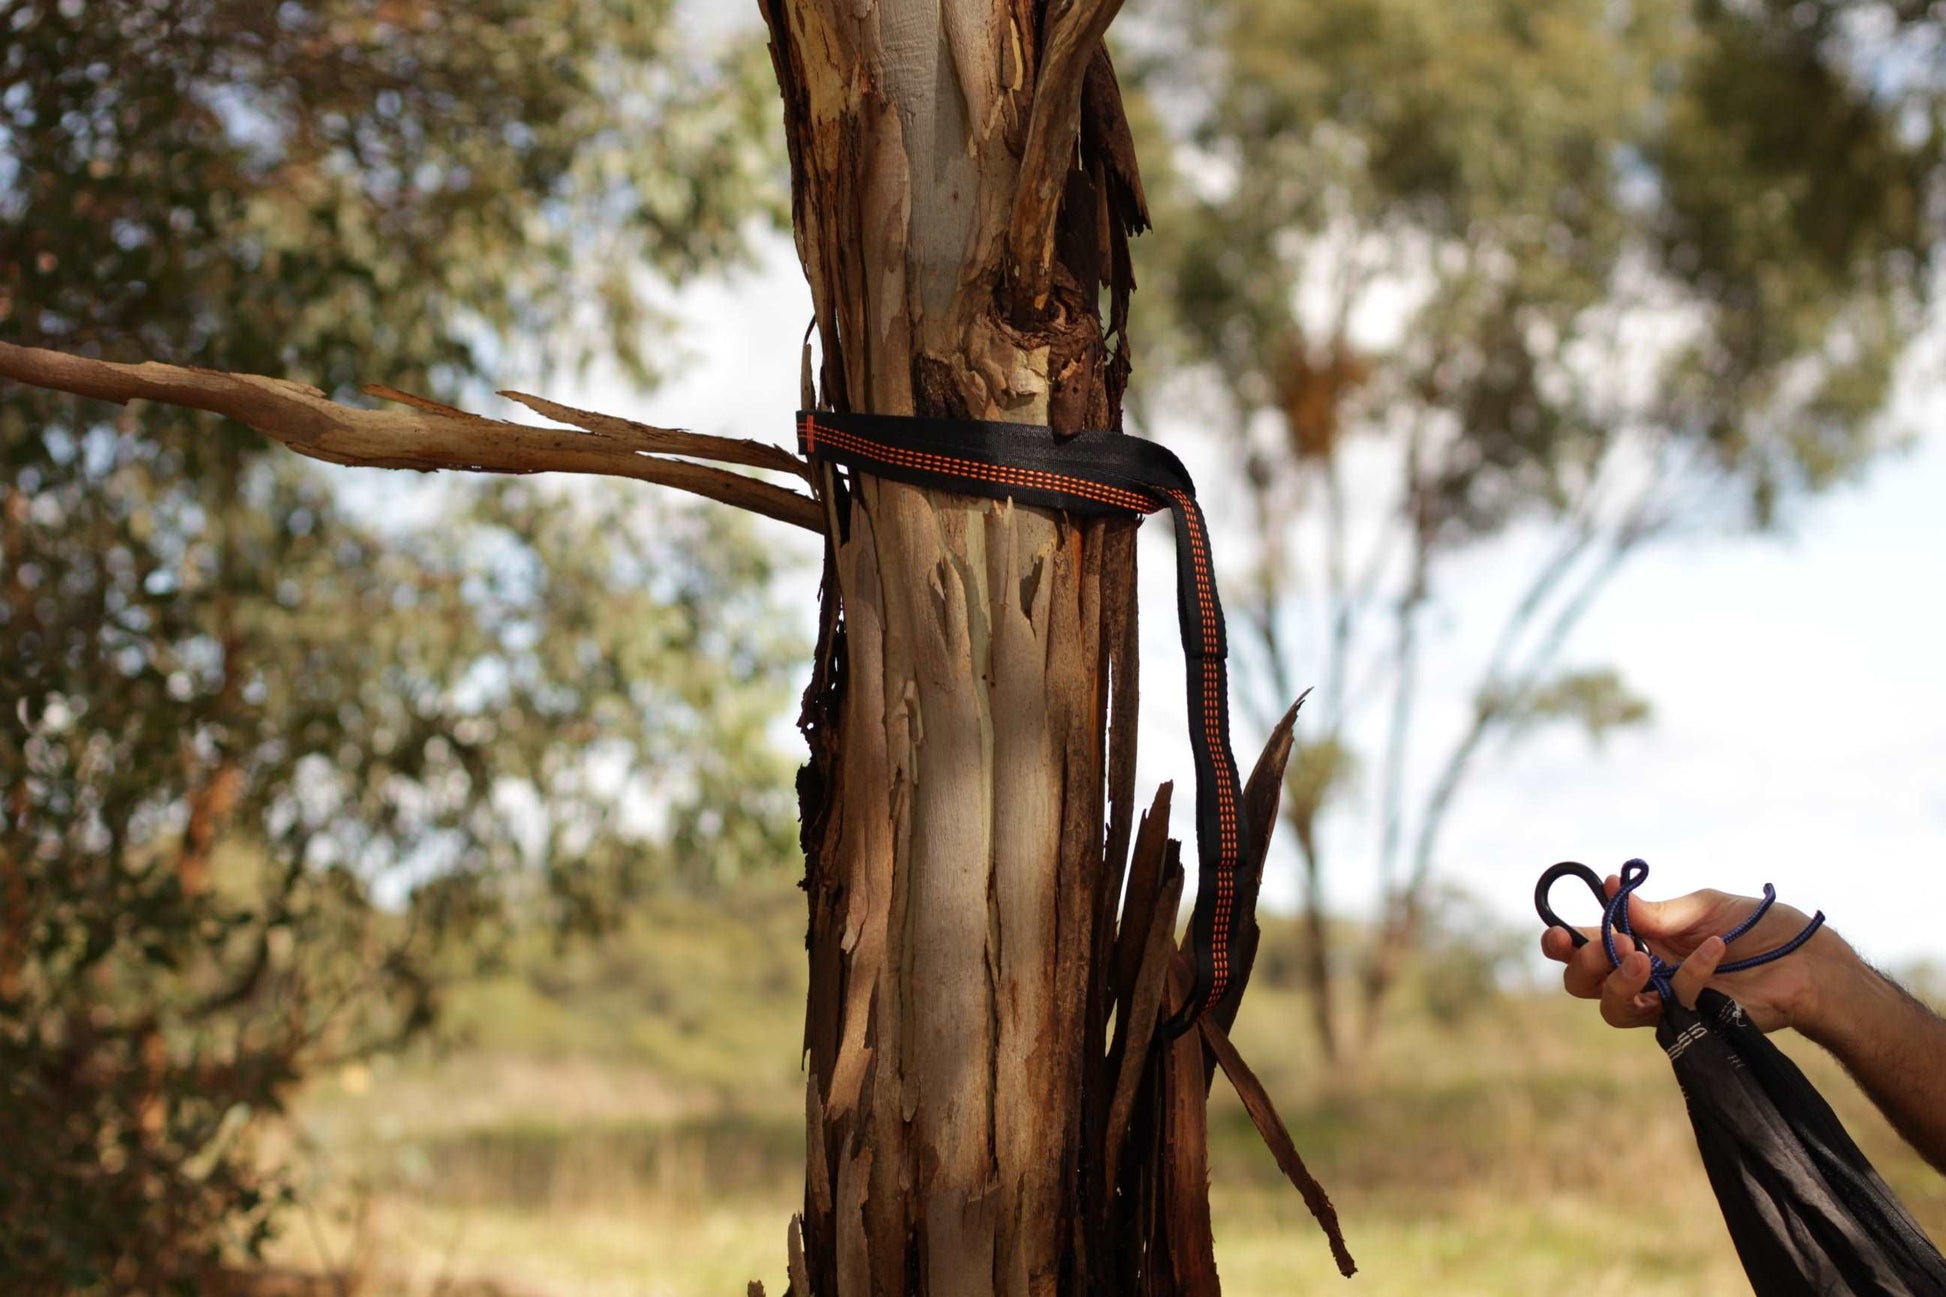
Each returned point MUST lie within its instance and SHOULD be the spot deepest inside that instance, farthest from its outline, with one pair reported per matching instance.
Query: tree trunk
(1316, 967)
(963, 187)
(953, 811)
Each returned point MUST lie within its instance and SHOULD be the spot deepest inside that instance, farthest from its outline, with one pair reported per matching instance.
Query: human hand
(1782, 994)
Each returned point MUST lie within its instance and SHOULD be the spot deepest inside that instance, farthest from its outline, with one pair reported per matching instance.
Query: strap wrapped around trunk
(1097, 474)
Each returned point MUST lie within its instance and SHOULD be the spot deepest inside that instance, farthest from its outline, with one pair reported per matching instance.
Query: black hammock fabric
(1096, 474)
(1808, 1213)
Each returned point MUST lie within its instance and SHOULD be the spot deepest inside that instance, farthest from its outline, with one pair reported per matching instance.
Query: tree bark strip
(1277, 1137)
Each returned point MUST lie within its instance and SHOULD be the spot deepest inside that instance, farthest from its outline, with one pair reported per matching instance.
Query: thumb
(1697, 970)
(1673, 917)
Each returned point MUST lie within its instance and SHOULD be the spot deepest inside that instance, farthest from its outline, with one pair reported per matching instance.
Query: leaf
(1320, 769)
(1597, 700)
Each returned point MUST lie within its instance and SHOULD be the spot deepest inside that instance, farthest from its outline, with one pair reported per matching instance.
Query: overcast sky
(1800, 727)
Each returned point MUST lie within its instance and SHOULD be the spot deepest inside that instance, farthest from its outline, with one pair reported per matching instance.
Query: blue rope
(1662, 975)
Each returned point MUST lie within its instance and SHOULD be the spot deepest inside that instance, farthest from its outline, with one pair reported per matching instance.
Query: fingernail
(1712, 948)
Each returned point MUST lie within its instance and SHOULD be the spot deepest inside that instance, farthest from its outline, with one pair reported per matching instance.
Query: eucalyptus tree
(1599, 276)
(271, 755)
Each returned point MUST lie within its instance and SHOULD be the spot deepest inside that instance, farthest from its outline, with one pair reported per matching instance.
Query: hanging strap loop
(1097, 474)
(1614, 918)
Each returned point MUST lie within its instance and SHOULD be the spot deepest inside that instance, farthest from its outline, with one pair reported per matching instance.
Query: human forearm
(1893, 1046)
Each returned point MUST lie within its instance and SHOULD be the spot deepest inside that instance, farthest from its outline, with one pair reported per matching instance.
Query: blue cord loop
(1614, 917)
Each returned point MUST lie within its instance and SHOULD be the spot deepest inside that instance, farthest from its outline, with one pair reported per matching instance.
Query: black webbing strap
(1096, 474)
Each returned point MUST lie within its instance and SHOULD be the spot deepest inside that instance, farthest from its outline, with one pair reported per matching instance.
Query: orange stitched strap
(834, 443)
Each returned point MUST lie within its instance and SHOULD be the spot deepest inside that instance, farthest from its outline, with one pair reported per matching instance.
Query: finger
(1590, 967)
(1632, 912)
(1697, 970)
(1668, 922)
(1623, 1003)
(1558, 944)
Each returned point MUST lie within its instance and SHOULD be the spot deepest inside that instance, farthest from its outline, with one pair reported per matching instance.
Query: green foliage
(1317, 772)
(371, 186)
(273, 752)
(1466, 959)
(1749, 183)
(1801, 200)
(1597, 700)
(693, 989)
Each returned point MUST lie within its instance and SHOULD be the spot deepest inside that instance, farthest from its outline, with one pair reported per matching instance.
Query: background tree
(269, 751)
(1652, 269)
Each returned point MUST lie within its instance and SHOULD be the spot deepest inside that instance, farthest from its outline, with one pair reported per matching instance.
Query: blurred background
(397, 876)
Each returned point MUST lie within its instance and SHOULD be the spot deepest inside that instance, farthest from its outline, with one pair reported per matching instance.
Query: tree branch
(1338, 596)
(428, 435)
(1273, 526)
(666, 441)
(1405, 688)
(1630, 533)
(1073, 29)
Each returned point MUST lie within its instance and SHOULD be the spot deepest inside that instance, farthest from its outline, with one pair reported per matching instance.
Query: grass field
(613, 1124)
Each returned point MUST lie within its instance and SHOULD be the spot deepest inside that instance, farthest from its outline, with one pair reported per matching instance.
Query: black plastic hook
(1567, 868)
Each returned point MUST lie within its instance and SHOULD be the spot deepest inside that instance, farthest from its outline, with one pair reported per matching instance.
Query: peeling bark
(955, 889)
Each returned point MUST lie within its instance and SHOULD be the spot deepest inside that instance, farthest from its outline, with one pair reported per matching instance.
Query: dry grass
(569, 1149)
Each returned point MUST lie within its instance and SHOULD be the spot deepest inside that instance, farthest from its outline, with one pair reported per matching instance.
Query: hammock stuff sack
(1806, 1210)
